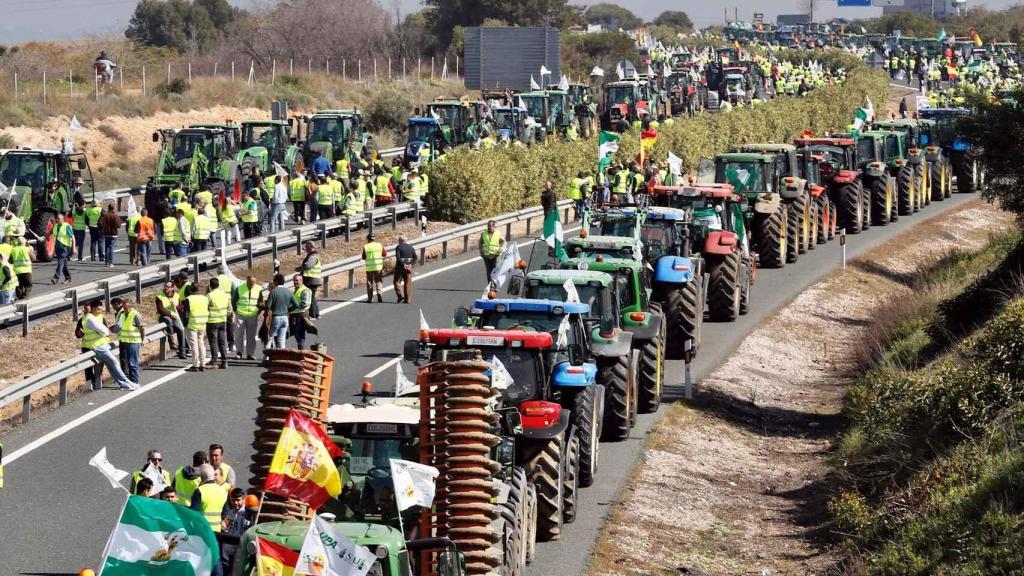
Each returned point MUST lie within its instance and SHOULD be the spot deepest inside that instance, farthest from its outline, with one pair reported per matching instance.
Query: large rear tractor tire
(919, 186)
(905, 191)
(516, 516)
(865, 200)
(879, 192)
(547, 472)
(771, 232)
(570, 480)
(652, 372)
(794, 230)
(588, 428)
(965, 177)
(614, 374)
(812, 230)
(824, 219)
(42, 223)
(684, 315)
(851, 209)
(725, 292)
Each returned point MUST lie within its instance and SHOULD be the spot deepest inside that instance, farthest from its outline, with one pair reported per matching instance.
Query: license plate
(485, 340)
(376, 428)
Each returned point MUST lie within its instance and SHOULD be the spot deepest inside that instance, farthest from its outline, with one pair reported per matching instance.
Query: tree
(995, 129)
(179, 24)
(611, 16)
(445, 15)
(676, 18)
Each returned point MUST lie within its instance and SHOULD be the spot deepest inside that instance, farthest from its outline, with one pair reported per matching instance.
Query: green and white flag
(553, 233)
(607, 142)
(159, 537)
(862, 116)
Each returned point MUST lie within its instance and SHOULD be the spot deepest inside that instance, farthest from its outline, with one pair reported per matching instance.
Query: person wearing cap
(63, 247)
(374, 253)
(210, 497)
(76, 191)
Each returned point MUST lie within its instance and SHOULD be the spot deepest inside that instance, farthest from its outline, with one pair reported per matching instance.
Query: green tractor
(191, 157)
(912, 181)
(330, 132)
(543, 112)
(265, 143)
(793, 188)
(580, 103)
(456, 117)
(26, 174)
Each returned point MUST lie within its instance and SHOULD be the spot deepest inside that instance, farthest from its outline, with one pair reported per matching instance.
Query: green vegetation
(933, 461)
(992, 25)
(611, 17)
(470, 185)
(581, 52)
(674, 18)
(996, 130)
(183, 26)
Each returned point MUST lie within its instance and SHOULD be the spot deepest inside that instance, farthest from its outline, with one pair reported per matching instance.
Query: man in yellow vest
(298, 311)
(575, 192)
(197, 314)
(169, 233)
(245, 300)
(92, 219)
(167, 305)
(21, 259)
(311, 270)
(250, 215)
(297, 196)
(382, 192)
(8, 280)
(490, 248)
(80, 227)
(220, 317)
(63, 247)
(131, 332)
(210, 497)
(356, 201)
(225, 471)
(374, 254)
(95, 335)
(187, 478)
(154, 462)
(202, 227)
(133, 244)
(325, 197)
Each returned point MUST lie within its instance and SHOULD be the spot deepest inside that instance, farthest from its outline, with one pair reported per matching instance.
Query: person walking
(298, 311)
(95, 335)
(276, 313)
(405, 259)
(311, 271)
(250, 215)
(110, 227)
(8, 280)
(131, 333)
(196, 307)
(22, 256)
(145, 232)
(245, 301)
(79, 226)
(221, 316)
(167, 303)
(131, 227)
(490, 248)
(374, 254)
(154, 461)
(63, 246)
(277, 205)
(92, 219)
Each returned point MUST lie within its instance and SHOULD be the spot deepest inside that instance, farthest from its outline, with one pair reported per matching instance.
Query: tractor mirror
(462, 317)
(411, 351)
(576, 357)
(515, 286)
(156, 136)
(82, 164)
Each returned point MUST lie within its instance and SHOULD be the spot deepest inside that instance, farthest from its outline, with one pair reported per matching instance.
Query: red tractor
(833, 163)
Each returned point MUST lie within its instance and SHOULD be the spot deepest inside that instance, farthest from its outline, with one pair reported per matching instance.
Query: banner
(325, 552)
(414, 483)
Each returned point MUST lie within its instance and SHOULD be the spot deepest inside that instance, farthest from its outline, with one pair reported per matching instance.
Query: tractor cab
(751, 174)
(330, 132)
(622, 102)
(622, 220)
(510, 124)
(265, 143)
(541, 109)
(191, 156)
(786, 164)
(708, 208)
(733, 88)
(589, 246)
(822, 159)
(427, 139)
(945, 133)
(456, 115)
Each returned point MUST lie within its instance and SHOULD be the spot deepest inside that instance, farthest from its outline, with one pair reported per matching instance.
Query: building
(940, 9)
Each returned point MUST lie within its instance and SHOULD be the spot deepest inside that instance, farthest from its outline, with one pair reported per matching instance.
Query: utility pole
(726, 13)
(810, 11)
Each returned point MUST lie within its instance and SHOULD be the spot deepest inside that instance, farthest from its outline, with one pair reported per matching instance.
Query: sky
(27, 20)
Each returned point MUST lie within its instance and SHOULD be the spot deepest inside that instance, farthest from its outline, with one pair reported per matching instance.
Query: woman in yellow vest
(229, 220)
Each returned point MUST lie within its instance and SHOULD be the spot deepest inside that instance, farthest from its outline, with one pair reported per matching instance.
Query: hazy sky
(27, 20)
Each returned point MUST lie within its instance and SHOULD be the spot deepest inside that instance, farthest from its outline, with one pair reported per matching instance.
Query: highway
(58, 511)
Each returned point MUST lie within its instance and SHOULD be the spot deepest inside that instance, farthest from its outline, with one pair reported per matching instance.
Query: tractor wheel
(851, 209)
(965, 178)
(652, 372)
(937, 178)
(42, 223)
(684, 314)
(634, 387)
(771, 237)
(905, 190)
(800, 221)
(514, 512)
(929, 184)
(824, 218)
(879, 192)
(725, 293)
(530, 538)
(919, 186)
(833, 212)
(588, 429)
(865, 200)
(547, 472)
(614, 375)
(793, 231)
(570, 480)
(746, 280)
(948, 179)
(812, 217)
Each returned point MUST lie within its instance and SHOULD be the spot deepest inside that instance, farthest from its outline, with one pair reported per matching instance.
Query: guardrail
(156, 331)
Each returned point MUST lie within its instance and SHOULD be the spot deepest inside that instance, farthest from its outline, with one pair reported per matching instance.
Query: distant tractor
(330, 132)
(191, 157)
(265, 143)
(962, 162)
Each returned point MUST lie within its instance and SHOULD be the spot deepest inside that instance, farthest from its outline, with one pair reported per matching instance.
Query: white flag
(533, 83)
(619, 71)
(563, 84)
(69, 145)
(520, 103)
(500, 376)
(597, 71)
(675, 164)
(505, 266)
(100, 462)
(414, 484)
(571, 294)
(325, 552)
(403, 385)
(155, 476)
(280, 171)
(423, 321)
(133, 209)
(75, 126)
(544, 70)
(563, 333)
(870, 109)
(556, 235)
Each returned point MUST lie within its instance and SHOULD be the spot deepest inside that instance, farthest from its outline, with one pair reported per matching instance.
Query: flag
(274, 559)
(414, 483)
(423, 321)
(571, 294)
(563, 84)
(403, 385)
(863, 30)
(150, 471)
(647, 140)
(325, 552)
(520, 103)
(607, 142)
(506, 264)
(75, 126)
(133, 208)
(862, 116)
(597, 71)
(553, 233)
(619, 71)
(303, 466)
(675, 164)
(100, 462)
(941, 35)
(159, 537)
(563, 333)
(533, 83)
(544, 70)
(280, 172)
(500, 376)
(975, 37)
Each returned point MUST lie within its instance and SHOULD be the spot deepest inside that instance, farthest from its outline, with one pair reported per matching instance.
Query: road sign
(842, 3)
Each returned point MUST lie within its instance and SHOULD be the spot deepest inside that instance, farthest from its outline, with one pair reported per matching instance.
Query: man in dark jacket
(547, 197)
(110, 225)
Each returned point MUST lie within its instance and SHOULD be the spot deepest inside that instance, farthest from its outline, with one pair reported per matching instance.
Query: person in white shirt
(95, 335)
(277, 204)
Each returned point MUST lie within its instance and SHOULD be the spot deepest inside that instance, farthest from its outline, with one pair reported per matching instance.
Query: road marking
(384, 367)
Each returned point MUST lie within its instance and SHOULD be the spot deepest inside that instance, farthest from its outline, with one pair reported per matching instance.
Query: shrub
(176, 86)
(388, 110)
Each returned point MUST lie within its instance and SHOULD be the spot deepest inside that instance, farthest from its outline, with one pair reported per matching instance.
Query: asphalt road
(57, 511)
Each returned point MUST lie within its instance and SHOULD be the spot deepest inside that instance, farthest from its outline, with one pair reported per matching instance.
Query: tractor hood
(566, 374)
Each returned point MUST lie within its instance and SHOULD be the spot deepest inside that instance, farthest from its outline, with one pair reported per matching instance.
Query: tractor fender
(767, 203)
(561, 376)
(673, 270)
(816, 191)
(648, 330)
(721, 242)
(792, 188)
(556, 429)
(844, 176)
(611, 347)
(915, 159)
(875, 169)
(932, 154)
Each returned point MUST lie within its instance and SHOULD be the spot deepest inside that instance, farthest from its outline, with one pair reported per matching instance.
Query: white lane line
(54, 434)
(384, 367)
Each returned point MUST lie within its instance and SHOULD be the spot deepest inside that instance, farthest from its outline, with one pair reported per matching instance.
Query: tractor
(542, 113)
(581, 100)
(716, 239)
(683, 94)
(265, 143)
(915, 160)
(624, 102)
(960, 161)
(793, 188)
(875, 172)
(330, 132)
(191, 157)
(26, 174)
(833, 163)
(510, 123)
(428, 139)
(458, 116)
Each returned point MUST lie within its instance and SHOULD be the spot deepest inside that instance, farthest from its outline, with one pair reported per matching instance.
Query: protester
(245, 300)
(145, 232)
(490, 248)
(169, 494)
(276, 313)
(131, 333)
(405, 259)
(95, 336)
(220, 317)
(298, 311)
(92, 219)
(167, 304)
(8, 280)
(143, 487)
(65, 241)
(374, 253)
(277, 205)
(109, 226)
(196, 315)
(21, 258)
(210, 497)
(154, 461)
(227, 473)
(311, 271)
(186, 478)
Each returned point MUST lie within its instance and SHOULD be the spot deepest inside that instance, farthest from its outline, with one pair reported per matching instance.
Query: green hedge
(471, 185)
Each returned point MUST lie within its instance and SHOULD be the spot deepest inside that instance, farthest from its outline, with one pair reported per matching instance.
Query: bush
(177, 86)
(388, 110)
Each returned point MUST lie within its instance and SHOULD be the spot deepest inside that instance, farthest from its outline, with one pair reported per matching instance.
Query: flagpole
(260, 508)
(259, 563)
(106, 547)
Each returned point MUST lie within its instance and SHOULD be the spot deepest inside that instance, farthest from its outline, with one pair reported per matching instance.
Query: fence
(61, 373)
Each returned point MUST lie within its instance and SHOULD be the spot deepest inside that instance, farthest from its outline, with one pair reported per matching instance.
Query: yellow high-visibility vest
(198, 312)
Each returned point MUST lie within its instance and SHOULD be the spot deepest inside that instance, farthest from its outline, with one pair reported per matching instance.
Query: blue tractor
(428, 138)
(964, 165)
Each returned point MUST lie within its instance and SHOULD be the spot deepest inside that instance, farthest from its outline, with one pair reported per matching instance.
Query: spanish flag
(647, 140)
(303, 465)
(976, 37)
(274, 559)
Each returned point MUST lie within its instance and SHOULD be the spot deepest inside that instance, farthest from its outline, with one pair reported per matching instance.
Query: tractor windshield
(617, 94)
(534, 106)
(27, 169)
(525, 365)
(186, 143)
(657, 238)
(526, 321)
(673, 81)
(588, 294)
(446, 114)
(422, 132)
(326, 130)
(744, 176)
(504, 120)
(366, 454)
(892, 146)
(557, 104)
(866, 150)
(624, 227)
(624, 290)
(264, 136)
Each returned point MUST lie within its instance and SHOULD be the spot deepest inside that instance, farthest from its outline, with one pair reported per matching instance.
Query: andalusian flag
(647, 140)
(862, 116)
(941, 35)
(553, 236)
(303, 465)
(607, 143)
(274, 559)
(159, 537)
(976, 37)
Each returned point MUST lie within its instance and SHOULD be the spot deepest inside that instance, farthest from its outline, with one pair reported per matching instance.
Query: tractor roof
(896, 123)
(767, 148)
(352, 112)
(533, 94)
(602, 242)
(745, 157)
(385, 413)
(602, 264)
(292, 533)
(530, 305)
(823, 141)
(264, 123)
(578, 277)
(490, 338)
(943, 112)
(666, 213)
(212, 127)
(424, 120)
(29, 150)
(710, 190)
